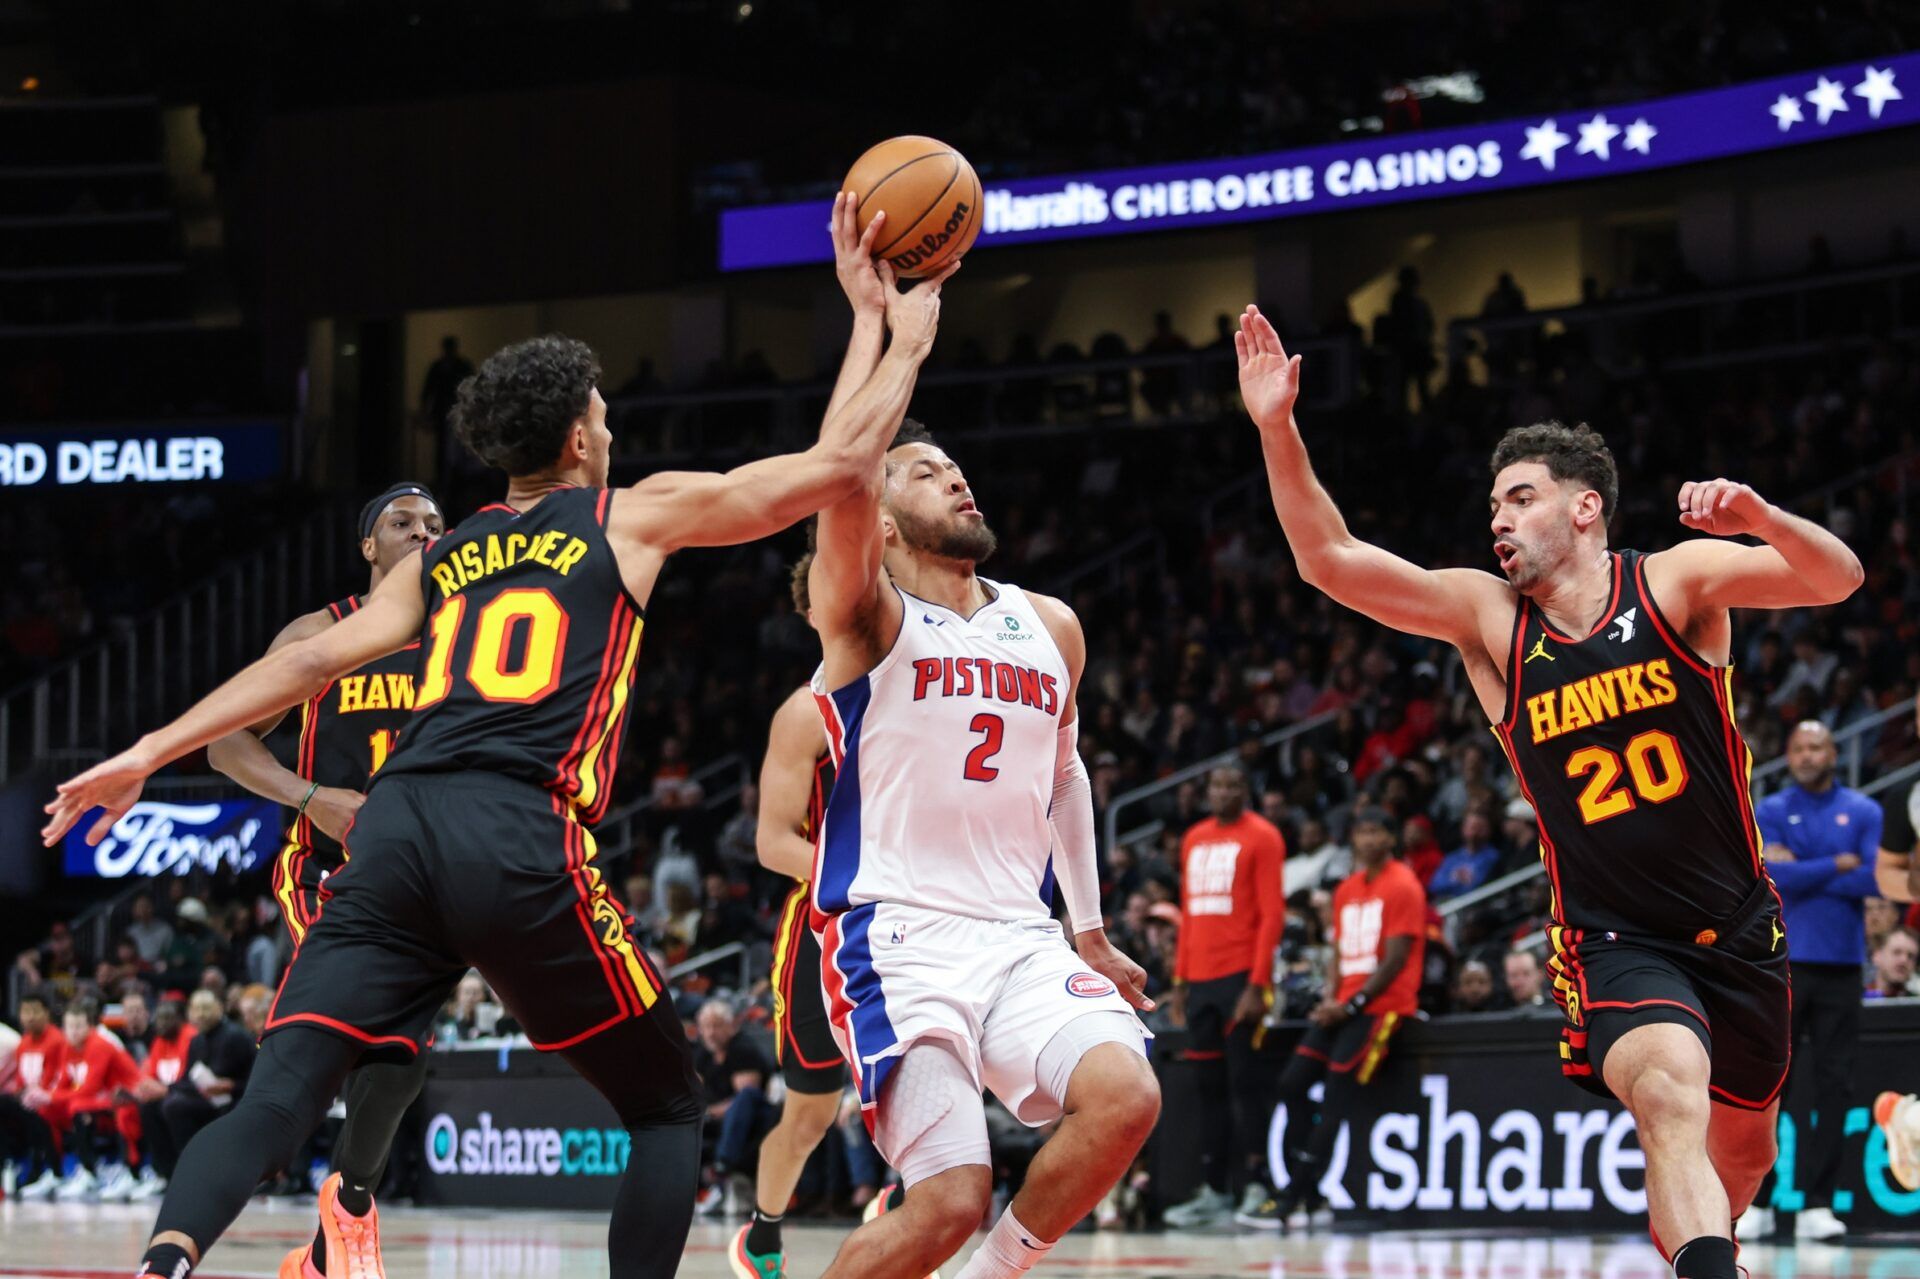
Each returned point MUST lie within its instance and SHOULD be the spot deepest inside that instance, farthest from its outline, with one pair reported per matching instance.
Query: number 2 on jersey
(1601, 798)
(499, 618)
(995, 728)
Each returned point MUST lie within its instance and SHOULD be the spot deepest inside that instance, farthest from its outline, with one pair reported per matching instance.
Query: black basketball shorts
(1728, 984)
(447, 871)
(810, 1059)
(1210, 1006)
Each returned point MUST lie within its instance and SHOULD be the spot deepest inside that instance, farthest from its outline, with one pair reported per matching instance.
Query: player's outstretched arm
(786, 784)
(844, 584)
(1076, 864)
(853, 264)
(674, 509)
(1441, 604)
(390, 620)
(1801, 565)
(244, 757)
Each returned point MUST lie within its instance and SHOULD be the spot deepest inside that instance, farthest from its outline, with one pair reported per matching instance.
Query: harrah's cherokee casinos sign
(1564, 146)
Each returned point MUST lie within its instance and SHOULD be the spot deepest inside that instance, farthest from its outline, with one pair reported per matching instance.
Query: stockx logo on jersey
(1582, 703)
(1012, 633)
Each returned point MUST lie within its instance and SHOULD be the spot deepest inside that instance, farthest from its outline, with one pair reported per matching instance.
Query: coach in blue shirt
(1821, 841)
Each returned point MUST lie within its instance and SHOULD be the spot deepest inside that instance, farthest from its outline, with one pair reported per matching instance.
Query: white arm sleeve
(1076, 867)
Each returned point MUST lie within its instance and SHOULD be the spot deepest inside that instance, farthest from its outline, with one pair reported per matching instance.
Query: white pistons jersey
(945, 758)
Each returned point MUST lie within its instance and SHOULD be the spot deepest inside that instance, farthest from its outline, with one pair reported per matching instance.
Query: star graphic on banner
(1596, 137)
(1786, 109)
(1878, 90)
(1828, 97)
(1543, 143)
(1640, 137)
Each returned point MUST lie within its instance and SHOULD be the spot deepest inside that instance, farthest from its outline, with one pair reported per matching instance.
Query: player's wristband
(305, 800)
(1357, 1004)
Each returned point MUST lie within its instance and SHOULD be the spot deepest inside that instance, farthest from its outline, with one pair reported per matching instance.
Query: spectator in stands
(674, 789)
(724, 918)
(733, 1075)
(218, 1062)
(1379, 939)
(1470, 865)
(193, 947)
(51, 965)
(26, 1140)
(1893, 965)
(166, 1065)
(1821, 840)
(86, 1109)
(1813, 665)
(442, 385)
(1233, 913)
(214, 978)
(1320, 860)
(1420, 849)
(122, 970)
(1526, 984)
(1409, 339)
(1164, 389)
(467, 1015)
(136, 1025)
(1882, 917)
(1520, 831)
(150, 936)
(1473, 990)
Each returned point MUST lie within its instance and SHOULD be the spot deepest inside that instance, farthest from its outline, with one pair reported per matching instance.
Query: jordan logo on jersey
(984, 677)
(1540, 650)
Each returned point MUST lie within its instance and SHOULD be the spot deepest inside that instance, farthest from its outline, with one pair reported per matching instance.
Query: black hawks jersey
(821, 792)
(528, 651)
(1625, 743)
(348, 730)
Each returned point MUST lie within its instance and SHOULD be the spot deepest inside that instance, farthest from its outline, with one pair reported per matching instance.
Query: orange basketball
(932, 200)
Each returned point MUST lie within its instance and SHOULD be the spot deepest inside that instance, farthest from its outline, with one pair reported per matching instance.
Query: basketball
(931, 197)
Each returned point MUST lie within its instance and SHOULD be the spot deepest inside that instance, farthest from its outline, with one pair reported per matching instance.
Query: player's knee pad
(1053, 1069)
(930, 1116)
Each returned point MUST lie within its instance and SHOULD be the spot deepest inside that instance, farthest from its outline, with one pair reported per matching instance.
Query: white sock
(1010, 1250)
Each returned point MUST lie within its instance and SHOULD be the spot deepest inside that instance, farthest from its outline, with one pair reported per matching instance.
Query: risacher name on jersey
(557, 549)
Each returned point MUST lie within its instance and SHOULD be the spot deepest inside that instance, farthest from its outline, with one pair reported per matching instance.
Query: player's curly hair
(514, 413)
(1568, 452)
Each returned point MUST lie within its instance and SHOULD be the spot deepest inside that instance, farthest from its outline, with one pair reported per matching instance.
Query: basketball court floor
(104, 1242)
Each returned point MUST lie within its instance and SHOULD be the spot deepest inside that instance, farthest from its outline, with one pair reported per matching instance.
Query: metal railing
(148, 670)
(1188, 387)
(1159, 786)
(720, 782)
(1712, 337)
(732, 950)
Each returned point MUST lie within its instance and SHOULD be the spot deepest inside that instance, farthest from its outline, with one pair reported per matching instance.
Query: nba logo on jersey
(899, 934)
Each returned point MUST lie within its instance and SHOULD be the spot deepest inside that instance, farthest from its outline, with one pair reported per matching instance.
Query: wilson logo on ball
(933, 241)
(1089, 985)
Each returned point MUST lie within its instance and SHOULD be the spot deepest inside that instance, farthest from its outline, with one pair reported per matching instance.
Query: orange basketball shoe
(353, 1243)
(1898, 1115)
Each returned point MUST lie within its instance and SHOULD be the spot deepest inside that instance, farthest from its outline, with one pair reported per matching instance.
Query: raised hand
(914, 316)
(1269, 377)
(853, 255)
(1722, 507)
(113, 784)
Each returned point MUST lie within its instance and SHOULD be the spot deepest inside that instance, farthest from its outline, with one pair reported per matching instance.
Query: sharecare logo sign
(155, 838)
(484, 1150)
(1455, 1161)
(1566, 146)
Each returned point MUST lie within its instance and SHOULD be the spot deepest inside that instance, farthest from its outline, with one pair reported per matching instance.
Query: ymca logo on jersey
(1210, 869)
(1623, 626)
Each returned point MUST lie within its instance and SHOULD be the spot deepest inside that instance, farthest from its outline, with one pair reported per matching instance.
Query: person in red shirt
(24, 1133)
(1379, 944)
(165, 1066)
(1233, 908)
(87, 1099)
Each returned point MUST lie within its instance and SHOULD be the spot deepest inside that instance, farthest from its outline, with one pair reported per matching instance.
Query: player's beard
(958, 539)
